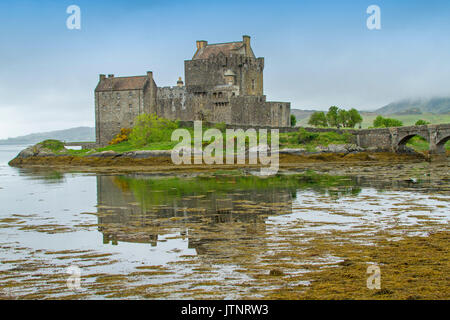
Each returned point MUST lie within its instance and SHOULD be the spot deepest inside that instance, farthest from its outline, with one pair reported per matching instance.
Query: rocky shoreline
(37, 156)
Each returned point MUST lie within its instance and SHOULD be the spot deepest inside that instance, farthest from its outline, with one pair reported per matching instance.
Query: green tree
(318, 119)
(151, 128)
(378, 122)
(343, 118)
(381, 122)
(293, 120)
(332, 116)
(421, 122)
(354, 118)
(393, 123)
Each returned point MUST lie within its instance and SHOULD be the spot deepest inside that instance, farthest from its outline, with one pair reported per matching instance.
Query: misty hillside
(79, 134)
(417, 106)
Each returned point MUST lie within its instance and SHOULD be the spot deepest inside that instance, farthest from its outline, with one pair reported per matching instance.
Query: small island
(148, 147)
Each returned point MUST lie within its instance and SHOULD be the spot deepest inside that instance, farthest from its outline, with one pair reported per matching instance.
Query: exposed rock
(340, 148)
(45, 153)
(104, 154)
(26, 153)
(353, 148)
(142, 154)
(337, 148)
(38, 151)
(293, 151)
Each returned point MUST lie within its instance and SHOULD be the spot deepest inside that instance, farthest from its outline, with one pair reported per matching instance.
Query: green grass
(127, 146)
(309, 141)
(53, 145)
(81, 152)
(299, 139)
(419, 144)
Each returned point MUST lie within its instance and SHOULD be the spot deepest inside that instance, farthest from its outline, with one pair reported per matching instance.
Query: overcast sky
(317, 53)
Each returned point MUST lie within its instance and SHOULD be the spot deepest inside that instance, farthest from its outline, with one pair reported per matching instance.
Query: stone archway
(403, 141)
(440, 146)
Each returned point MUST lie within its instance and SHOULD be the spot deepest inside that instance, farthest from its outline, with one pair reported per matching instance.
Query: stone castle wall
(203, 76)
(116, 110)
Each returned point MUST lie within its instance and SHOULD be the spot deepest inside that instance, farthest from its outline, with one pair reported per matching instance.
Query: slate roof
(214, 49)
(122, 83)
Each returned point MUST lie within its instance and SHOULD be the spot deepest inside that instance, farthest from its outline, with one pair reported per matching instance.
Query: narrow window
(253, 84)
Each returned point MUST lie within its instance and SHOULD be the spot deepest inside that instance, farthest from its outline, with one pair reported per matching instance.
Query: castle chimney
(246, 41)
(180, 82)
(201, 44)
(110, 76)
(150, 75)
(102, 77)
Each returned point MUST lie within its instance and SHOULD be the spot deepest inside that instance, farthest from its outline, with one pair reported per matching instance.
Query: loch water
(188, 235)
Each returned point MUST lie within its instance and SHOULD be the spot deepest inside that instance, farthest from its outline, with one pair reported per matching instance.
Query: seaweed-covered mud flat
(308, 232)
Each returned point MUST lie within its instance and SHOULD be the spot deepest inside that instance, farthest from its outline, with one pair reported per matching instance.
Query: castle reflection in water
(132, 210)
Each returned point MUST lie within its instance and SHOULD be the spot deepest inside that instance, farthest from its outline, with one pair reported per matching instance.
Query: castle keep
(223, 83)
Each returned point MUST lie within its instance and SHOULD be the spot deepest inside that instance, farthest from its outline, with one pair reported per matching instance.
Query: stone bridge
(395, 139)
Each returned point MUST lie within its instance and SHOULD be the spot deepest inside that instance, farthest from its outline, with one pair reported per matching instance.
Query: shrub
(381, 122)
(326, 138)
(421, 122)
(293, 120)
(123, 135)
(305, 137)
(322, 138)
(151, 128)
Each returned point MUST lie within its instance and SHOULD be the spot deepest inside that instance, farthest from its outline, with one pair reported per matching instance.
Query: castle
(223, 83)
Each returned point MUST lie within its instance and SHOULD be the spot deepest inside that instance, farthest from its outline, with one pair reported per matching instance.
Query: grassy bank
(299, 139)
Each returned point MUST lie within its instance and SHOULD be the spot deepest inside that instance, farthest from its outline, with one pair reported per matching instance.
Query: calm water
(153, 236)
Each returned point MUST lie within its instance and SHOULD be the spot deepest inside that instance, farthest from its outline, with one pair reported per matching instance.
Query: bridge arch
(443, 141)
(440, 145)
(403, 140)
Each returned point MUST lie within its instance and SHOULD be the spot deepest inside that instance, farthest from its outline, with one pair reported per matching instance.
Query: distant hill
(302, 114)
(417, 106)
(79, 134)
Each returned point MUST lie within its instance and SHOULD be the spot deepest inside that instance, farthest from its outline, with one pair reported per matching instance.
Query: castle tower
(180, 82)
